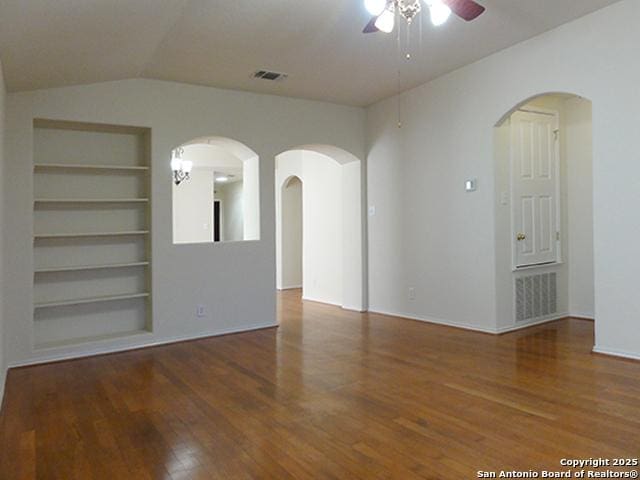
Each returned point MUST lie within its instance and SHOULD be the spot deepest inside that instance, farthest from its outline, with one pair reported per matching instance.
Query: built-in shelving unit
(92, 278)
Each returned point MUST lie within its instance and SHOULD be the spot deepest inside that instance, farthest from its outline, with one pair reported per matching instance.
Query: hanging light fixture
(440, 12)
(387, 20)
(375, 7)
(181, 168)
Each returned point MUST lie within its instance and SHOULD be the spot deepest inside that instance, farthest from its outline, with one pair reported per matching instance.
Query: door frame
(220, 220)
(558, 219)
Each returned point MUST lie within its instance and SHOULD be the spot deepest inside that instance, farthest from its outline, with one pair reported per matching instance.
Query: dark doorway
(216, 220)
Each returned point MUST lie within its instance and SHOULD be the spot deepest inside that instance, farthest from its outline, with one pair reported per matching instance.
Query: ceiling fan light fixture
(440, 12)
(386, 21)
(375, 7)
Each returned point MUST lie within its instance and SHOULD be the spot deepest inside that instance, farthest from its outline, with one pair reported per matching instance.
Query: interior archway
(557, 127)
(332, 251)
(219, 201)
(292, 234)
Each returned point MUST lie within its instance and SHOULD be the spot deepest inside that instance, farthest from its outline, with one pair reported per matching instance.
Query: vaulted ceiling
(49, 43)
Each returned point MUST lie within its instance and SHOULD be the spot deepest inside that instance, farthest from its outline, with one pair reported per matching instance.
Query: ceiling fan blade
(371, 26)
(466, 9)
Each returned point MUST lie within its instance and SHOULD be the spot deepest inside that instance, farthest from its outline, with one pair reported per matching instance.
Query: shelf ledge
(65, 166)
(79, 268)
(90, 200)
(84, 301)
(41, 236)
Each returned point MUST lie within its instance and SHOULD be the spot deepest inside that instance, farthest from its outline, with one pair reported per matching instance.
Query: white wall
(291, 226)
(193, 208)
(3, 360)
(251, 198)
(430, 234)
(579, 155)
(235, 281)
(231, 196)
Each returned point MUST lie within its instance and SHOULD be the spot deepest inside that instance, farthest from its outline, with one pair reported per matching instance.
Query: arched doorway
(291, 195)
(544, 211)
(332, 212)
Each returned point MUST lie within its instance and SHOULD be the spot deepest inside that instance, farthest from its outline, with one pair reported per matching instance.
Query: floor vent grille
(536, 296)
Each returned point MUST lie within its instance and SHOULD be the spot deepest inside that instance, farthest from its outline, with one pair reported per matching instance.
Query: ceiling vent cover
(268, 75)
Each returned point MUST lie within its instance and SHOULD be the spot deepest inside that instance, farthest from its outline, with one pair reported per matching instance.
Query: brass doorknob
(521, 237)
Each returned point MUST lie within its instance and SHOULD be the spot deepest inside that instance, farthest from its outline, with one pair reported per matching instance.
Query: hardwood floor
(330, 394)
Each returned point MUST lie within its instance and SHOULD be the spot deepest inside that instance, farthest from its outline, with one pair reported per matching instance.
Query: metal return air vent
(536, 296)
(271, 76)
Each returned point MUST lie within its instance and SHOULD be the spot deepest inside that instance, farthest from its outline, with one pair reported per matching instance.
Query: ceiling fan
(384, 12)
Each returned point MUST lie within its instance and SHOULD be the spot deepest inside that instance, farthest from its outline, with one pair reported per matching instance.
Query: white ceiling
(48, 43)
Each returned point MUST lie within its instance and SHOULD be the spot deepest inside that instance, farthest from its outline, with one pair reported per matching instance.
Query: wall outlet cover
(201, 311)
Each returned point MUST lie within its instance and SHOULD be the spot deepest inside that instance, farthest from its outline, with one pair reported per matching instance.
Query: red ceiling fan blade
(371, 26)
(466, 9)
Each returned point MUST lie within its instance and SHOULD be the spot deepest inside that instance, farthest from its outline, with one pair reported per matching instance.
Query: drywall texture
(332, 222)
(3, 360)
(234, 281)
(427, 233)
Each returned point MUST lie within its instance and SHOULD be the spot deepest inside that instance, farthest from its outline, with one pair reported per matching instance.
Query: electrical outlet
(372, 210)
(201, 311)
(412, 293)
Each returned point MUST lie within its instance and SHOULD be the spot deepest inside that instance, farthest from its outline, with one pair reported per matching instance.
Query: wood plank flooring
(330, 394)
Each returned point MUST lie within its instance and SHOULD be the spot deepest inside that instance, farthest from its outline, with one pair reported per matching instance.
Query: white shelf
(84, 301)
(65, 166)
(79, 268)
(72, 201)
(94, 339)
(41, 236)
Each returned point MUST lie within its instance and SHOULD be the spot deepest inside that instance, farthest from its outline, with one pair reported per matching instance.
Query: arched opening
(544, 211)
(216, 191)
(331, 216)
(292, 233)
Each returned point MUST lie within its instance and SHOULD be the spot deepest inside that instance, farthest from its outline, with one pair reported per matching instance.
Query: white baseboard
(3, 379)
(318, 300)
(473, 328)
(435, 321)
(354, 309)
(521, 326)
(582, 316)
(291, 287)
(124, 348)
(616, 353)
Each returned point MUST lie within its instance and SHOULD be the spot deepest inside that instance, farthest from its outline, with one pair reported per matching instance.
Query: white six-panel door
(534, 188)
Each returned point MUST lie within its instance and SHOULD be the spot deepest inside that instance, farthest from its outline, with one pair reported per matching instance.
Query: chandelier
(181, 168)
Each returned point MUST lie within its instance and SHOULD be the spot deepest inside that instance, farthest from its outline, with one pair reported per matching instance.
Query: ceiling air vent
(271, 76)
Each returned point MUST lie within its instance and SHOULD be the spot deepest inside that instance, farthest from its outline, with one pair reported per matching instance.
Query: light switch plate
(470, 185)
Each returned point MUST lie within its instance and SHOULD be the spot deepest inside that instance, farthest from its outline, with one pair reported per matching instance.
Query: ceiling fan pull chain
(399, 62)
